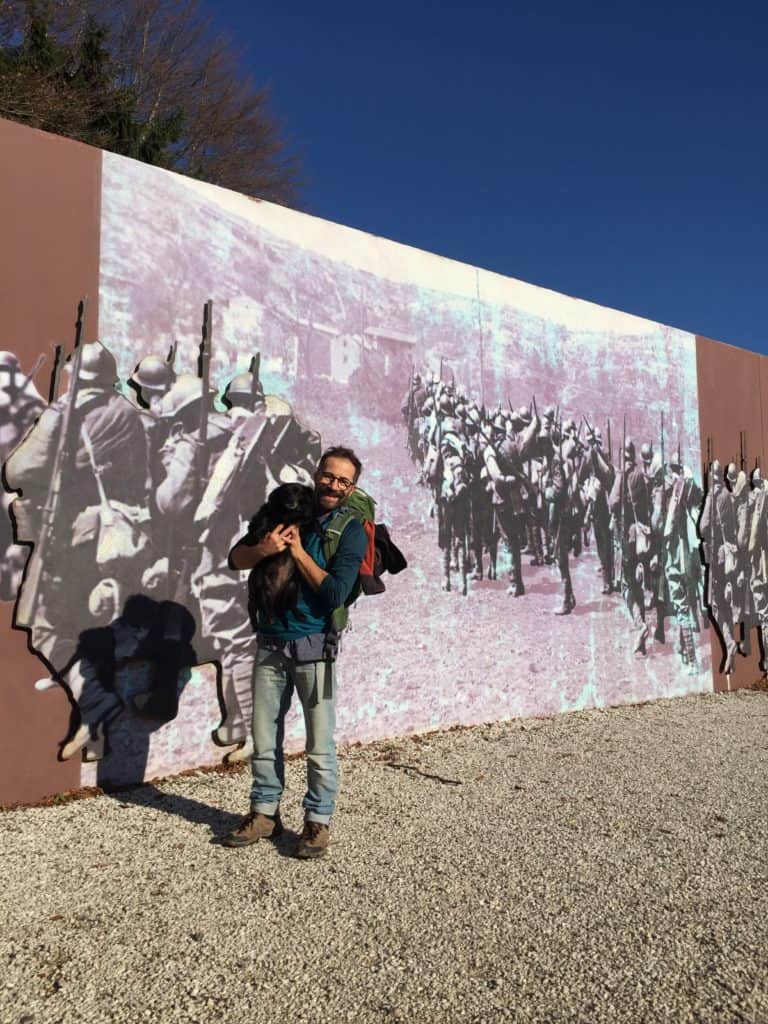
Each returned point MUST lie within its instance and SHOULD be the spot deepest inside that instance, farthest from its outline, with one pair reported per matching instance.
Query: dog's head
(291, 504)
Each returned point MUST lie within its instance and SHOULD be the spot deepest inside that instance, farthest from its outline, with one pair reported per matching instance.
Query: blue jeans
(275, 676)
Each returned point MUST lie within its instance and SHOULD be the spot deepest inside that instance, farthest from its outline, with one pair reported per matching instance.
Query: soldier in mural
(757, 553)
(560, 513)
(630, 506)
(743, 612)
(598, 476)
(483, 524)
(718, 532)
(679, 557)
(82, 503)
(20, 405)
(511, 492)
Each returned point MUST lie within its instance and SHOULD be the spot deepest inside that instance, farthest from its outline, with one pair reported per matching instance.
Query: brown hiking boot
(253, 827)
(313, 841)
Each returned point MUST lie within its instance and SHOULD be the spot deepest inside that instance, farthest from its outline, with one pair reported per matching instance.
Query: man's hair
(339, 452)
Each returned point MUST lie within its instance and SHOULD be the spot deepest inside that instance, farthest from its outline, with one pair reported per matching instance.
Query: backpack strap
(333, 531)
(331, 540)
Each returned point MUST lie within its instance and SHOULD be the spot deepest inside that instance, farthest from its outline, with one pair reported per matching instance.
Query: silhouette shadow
(148, 796)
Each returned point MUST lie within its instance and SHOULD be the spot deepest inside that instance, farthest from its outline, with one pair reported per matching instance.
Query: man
(296, 654)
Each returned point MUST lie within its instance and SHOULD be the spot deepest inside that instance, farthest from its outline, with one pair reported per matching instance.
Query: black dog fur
(273, 585)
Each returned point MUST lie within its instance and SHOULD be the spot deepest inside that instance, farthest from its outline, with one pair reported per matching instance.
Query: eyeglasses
(329, 478)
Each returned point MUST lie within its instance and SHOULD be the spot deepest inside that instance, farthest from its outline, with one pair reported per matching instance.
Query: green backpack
(359, 506)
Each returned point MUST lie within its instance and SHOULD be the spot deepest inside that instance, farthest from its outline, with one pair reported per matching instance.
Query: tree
(147, 79)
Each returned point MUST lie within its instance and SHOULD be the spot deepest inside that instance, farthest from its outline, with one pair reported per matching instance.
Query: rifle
(53, 390)
(177, 580)
(171, 357)
(742, 449)
(610, 450)
(65, 452)
(623, 493)
(663, 480)
(441, 369)
(255, 367)
(205, 371)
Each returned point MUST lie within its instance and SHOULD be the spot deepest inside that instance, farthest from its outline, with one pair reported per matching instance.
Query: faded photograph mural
(536, 458)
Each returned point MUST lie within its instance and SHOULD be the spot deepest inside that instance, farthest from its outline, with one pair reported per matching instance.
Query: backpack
(359, 506)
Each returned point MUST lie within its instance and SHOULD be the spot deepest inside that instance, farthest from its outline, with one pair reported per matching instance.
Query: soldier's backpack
(381, 554)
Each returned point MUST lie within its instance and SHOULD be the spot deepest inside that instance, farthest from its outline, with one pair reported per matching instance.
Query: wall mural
(549, 487)
(531, 453)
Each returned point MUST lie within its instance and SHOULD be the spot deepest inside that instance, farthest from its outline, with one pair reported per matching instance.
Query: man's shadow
(131, 674)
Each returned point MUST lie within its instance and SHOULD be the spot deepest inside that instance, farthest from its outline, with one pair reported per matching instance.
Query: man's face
(334, 481)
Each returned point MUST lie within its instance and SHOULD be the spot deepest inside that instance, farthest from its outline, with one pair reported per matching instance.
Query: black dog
(273, 586)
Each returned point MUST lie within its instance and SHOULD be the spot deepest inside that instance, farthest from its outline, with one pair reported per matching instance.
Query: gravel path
(599, 866)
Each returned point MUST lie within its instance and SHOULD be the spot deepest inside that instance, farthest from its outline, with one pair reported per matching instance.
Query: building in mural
(537, 458)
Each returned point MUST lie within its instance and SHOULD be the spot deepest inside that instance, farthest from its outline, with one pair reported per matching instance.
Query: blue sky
(615, 152)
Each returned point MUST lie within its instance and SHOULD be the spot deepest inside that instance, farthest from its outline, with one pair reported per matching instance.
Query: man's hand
(246, 556)
(291, 537)
(275, 541)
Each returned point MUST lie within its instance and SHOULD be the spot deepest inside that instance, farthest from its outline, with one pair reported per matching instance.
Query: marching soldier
(511, 494)
(599, 484)
(680, 557)
(718, 532)
(757, 551)
(559, 517)
(743, 611)
(629, 503)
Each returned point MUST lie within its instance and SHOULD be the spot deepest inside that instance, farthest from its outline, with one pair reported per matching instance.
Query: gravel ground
(598, 866)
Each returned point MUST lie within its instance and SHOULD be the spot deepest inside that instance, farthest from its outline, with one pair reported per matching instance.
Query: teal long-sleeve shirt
(315, 607)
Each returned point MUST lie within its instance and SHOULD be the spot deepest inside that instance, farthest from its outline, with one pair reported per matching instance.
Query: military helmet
(185, 391)
(629, 450)
(499, 423)
(646, 451)
(676, 461)
(96, 363)
(242, 384)
(716, 470)
(549, 413)
(153, 373)
(569, 427)
(731, 472)
(756, 477)
(9, 361)
(417, 378)
(446, 403)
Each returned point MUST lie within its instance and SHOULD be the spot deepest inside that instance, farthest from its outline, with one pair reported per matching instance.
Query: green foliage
(147, 79)
(72, 88)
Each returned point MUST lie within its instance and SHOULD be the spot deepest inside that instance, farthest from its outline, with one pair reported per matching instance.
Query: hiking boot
(253, 827)
(313, 841)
